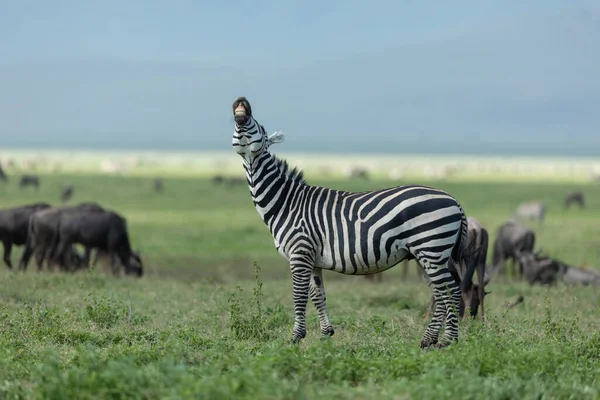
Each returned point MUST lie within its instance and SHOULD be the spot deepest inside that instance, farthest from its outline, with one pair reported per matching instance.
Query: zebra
(353, 233)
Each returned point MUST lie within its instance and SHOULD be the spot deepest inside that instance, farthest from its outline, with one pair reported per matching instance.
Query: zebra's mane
(294, 174)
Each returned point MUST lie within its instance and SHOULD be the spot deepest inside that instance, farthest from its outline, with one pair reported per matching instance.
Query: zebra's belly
(353, 263)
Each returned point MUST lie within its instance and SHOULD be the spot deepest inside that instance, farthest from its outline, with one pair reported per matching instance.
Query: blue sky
(163, 74)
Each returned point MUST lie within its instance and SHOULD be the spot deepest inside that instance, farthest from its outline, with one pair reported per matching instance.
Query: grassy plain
(185, 330)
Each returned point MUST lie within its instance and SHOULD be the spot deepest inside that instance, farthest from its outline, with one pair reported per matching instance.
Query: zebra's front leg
(318, 297)
(301, 265)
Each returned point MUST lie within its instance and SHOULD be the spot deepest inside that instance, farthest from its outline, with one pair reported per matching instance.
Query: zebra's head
(250, 138)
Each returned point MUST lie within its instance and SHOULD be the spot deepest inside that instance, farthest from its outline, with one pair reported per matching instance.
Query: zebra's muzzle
(240, 115)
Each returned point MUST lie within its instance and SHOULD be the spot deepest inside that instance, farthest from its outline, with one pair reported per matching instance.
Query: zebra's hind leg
(318, 297)
(301, 264)
(451, 296)
(432, 332)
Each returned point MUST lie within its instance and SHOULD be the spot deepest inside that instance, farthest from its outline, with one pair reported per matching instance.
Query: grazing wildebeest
(575, 198)
(476, 263)
(540, 269)
(29, 180)
(104, 230)
(67, 193)
(532, 210)
(42, 236)
(218, 179)
(158, 185)
(359, 173)
(3, 176)
(581, 276)
(512, 237)
(545, 270)
(235, 181)
(13, 227)
(472, 294)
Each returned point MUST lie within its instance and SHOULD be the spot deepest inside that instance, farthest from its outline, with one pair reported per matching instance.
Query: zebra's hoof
(425, 343)
(298, 336)
(329, 332)
(446, 343)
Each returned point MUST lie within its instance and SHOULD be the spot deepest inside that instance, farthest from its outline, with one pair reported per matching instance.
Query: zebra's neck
(273, 186)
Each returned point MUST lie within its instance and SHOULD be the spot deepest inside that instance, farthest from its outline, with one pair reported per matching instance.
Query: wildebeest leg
(404, 270)
(26, 256)
(429, 308)
(87, 257)
(481, 259)
(481, 287)
(40, 257)
(118, 261)
(513, 271)
(7, 250)
(58, 255)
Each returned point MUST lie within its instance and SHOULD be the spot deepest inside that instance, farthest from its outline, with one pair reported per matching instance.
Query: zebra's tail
(461, 247)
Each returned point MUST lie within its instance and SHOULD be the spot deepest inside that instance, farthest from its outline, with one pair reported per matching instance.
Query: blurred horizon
(481, 78)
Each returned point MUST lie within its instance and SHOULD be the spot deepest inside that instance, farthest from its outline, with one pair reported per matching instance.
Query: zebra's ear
(276, 137)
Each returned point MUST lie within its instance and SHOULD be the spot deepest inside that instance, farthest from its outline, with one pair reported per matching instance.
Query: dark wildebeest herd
(514, 244)
(51, 233)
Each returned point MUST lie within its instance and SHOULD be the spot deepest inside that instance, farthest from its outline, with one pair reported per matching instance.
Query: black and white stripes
(318, 228)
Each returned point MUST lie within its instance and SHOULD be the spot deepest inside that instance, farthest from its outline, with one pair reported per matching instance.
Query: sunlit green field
(185, 330)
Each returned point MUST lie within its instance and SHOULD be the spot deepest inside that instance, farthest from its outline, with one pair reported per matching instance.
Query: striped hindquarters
(372, 231)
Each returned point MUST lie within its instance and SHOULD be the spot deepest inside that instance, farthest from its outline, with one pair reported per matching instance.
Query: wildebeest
(229, 181)
(218, 179)
(104, 230)
(29, 180)
(42, 237)
(14, 225)
(472, 294)
(67, 193)
(545, 270)
(236, 180)
(540, 269)
(358, 173)
(158, 185)
(581, 276)
(512, 237)
(3, 176)
(532, 210)
(475, 294)
(575, 198)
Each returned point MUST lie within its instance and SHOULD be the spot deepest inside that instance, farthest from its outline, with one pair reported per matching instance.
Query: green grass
(200, 324)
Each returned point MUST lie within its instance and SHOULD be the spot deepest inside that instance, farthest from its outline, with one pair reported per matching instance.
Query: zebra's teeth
(240, 110)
